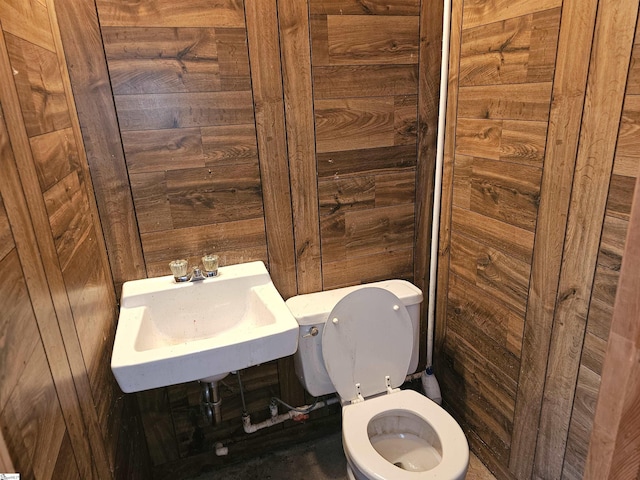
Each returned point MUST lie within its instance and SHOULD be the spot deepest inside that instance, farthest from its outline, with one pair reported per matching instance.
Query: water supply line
(211, 402)
(429, 382)
(295, 413)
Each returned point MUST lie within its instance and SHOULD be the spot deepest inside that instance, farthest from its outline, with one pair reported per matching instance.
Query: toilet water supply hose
(429, 382)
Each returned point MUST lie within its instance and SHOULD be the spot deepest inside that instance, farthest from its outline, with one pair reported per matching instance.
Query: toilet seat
(366, 343)
(358, 446)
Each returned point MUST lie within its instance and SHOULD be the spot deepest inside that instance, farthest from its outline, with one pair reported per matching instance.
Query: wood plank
(366, 81)
(507, 238)
(28, 250)
(162, 60)
(34, 413)
(55, 156)
(372, 39)
(228, 144)
(627, 160)
(209, 195)
(153, 210)
(233, 242)
(366, 161)
(357, 7)
(162, 13)
(520, 101)
(6, 237)
(233, 57)
(183, 110)
(349, 124)
(506, 192)
(162, 150)
(574, 48)
(616, 421)
(28, 20)
(395, 189)
(88, 71)
(346, 194)
(601, 117)
(502, 277)
(266, 75)
(480, 12)
(405, 121)
(18, 329)
(293, 18)
(39, 85)
(359, 270)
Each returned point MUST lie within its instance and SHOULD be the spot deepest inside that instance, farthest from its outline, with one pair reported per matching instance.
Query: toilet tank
(312, 310)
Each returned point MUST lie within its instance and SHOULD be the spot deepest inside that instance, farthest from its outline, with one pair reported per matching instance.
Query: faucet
(179, 269)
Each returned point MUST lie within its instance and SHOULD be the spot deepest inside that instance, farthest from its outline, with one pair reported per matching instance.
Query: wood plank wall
(59, 405)
(280, 131)
(530, 245)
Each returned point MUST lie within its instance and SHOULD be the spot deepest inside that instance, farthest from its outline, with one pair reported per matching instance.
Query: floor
(322, 459)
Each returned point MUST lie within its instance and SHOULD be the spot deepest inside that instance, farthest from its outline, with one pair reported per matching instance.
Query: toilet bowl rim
(360, 451)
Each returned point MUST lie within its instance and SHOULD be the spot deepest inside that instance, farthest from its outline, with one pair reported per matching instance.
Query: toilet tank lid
(314, 308)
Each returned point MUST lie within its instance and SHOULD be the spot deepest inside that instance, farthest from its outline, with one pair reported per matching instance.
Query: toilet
(361, 342)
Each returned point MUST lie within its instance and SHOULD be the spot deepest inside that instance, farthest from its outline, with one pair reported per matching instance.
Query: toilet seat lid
(367, 337)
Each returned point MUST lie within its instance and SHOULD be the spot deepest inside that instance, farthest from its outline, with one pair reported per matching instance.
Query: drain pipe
(211, 402)
(429, 382)
(295, 413)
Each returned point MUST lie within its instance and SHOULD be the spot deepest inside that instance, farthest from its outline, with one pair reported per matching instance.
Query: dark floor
(322, 459)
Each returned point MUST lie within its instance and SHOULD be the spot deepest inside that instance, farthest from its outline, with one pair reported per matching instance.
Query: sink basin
(170, 333)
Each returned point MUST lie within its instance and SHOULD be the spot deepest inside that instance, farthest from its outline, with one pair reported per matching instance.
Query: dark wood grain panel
(346, 194)
(88, 72)
(153, 210)
(620, 196)
(183, 110)
(55, 156)
(506, 192)
(6, 237)
(18, 328)
(503, 278)
(364, 81)
(520, 101)
(375, 231)
(162, 13)
(34, 410)
(161, 150)
(39, 85)
(405, 120)
(494, 319)
(507, 238)
(66, 466)
(626, 161)
(234, 242)
(572, 66)
(366, 161)
(233, 58)
(395, 189)
(358, 270)
(603, 107)
(28, 20)
(349, 124)
(509, 140)
(481, 12)
(357, 7)
(372, 39)
(516, 50)
(226, 144)
(214, 195)
(162, 60)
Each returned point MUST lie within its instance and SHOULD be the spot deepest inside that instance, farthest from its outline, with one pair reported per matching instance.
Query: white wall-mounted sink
(170, 333)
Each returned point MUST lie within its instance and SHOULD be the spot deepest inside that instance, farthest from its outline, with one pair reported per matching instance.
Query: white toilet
(362, 342)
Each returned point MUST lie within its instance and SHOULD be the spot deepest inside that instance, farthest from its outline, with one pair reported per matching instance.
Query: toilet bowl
(402, 436)
(388, 434)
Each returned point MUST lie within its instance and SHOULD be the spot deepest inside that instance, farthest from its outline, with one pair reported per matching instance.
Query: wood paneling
(65, 380)
(524, 231)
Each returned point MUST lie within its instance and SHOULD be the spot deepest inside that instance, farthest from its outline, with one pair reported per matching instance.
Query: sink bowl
(170, 333)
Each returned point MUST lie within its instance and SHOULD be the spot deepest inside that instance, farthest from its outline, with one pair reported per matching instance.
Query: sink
(170, 333)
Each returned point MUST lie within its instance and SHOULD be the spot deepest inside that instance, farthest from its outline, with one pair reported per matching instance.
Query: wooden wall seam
(569, 89)
(293, 27)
